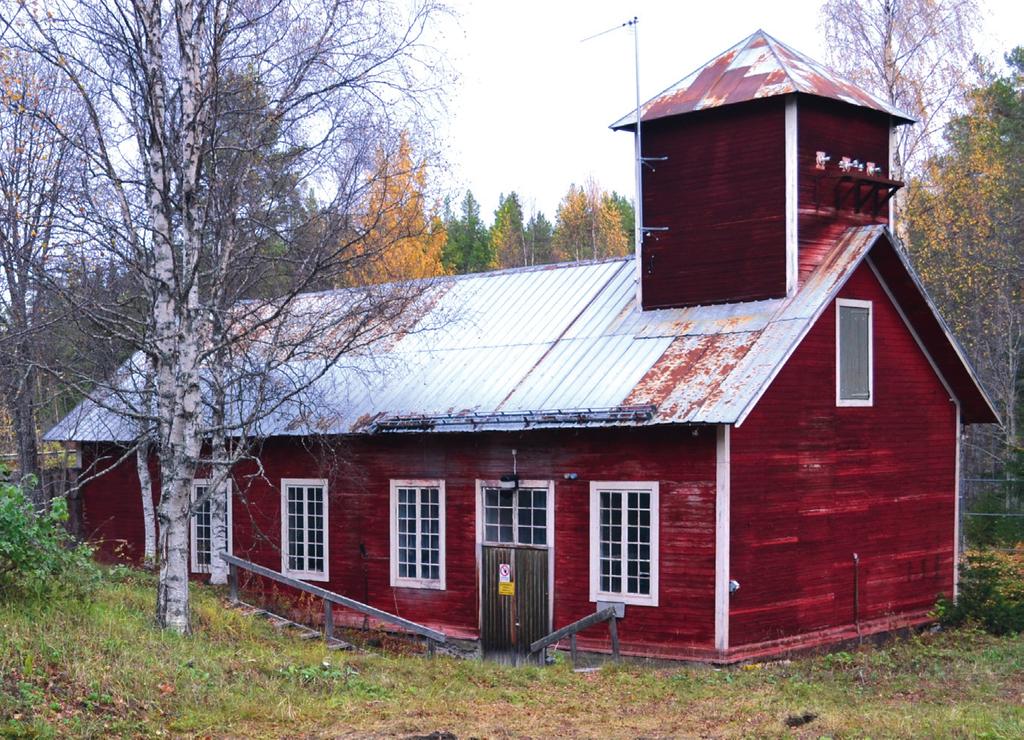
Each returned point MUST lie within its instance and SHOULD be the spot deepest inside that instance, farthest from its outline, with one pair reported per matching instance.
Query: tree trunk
(148, 513)
(219, 531)
(24, 419)
(172, 602)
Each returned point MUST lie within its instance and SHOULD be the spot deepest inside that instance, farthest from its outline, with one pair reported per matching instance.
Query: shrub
(37, 554)
(991, 592)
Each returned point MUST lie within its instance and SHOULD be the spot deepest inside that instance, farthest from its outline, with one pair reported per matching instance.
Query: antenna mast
(639, 207)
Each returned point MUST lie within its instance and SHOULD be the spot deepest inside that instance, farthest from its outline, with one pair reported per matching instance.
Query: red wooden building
(748, 434)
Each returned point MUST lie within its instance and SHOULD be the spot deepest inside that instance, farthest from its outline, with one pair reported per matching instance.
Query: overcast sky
(531, 108)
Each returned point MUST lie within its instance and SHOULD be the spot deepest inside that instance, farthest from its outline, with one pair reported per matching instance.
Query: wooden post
(572, 648)
(328, 620)
(233, 582)
(613, 630)
(430, 647)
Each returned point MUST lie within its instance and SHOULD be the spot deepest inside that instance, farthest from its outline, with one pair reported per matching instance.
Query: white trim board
(893, 135)
(723, 535)
(792, 197)
(956, 509)
(397, 581)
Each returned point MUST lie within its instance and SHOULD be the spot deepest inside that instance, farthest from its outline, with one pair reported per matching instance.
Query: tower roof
(759, 66)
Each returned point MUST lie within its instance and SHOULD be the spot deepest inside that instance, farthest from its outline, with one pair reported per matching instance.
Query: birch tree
(588, 224)
(161, 83)
(915, 54)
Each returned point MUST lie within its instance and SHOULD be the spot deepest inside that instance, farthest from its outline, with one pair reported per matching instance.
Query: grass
(100, 668)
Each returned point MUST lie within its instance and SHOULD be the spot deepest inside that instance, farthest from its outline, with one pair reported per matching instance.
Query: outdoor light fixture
(510, 482)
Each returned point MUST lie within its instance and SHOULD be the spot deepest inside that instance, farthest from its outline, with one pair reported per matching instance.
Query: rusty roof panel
(496, 350)
(757, 67)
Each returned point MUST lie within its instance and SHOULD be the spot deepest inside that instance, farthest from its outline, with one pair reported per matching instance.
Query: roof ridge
(741, 73)
(695, 70)
(772, 42)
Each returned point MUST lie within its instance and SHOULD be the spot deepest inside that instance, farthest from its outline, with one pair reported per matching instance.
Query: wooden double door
(515, 591)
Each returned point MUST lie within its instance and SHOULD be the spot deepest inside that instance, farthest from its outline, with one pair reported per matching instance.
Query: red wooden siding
(812, 484)
(112, 504)
(360, 470)
(840, 130)
(721, 193)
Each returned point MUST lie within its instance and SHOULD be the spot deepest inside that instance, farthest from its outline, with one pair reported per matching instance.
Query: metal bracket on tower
(648, 160)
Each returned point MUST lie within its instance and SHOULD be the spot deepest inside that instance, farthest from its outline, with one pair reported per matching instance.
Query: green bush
(991, 592)
(36, 553)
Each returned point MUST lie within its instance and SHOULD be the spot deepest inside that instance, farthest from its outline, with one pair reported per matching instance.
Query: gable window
(854, 353)
(417, 533)
(304, 541)
(624, 542)
(517, 516)
(202, 534)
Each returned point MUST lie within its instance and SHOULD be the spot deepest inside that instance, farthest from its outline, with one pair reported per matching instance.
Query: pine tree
(539, 233)
(468, 246)
(508, 233)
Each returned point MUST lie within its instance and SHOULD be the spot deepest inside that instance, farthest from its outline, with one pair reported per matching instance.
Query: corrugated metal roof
(560, 345)
(757, 67)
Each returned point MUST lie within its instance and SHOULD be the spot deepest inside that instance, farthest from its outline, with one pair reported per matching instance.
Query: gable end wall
(812, 484)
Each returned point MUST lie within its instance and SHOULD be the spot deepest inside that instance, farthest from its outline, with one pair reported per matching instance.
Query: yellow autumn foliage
(403, 232)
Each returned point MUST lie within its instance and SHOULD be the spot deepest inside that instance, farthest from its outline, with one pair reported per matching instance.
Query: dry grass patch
(101, 668)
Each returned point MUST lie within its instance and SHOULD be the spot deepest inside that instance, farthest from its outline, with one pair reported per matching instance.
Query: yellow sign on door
(507, 588)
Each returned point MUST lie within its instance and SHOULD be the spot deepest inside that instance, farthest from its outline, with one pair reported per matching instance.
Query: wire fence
(992, 513)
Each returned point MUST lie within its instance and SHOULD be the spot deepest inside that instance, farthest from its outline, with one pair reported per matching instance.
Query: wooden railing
(570, 630)
(329, 598)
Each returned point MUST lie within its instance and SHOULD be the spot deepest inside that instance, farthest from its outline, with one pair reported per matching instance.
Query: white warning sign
(504, 573)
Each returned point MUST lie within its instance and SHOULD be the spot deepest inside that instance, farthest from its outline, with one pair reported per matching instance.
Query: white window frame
(596, 594)
(196, 567)
(549, 518)
(400, 582)
(305, 575)
(852, 303)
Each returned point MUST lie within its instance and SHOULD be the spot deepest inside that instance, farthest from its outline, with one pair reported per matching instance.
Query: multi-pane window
(202, 528)
(203, 535)
(516, 516)
(304, 528)
(624, 542)
(417, 533)
(853, 353)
